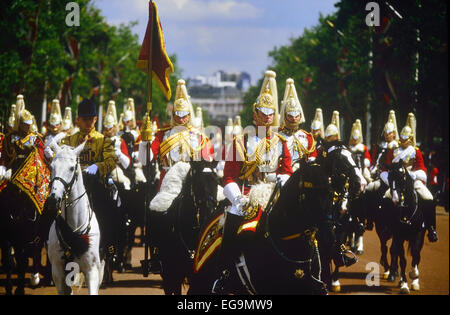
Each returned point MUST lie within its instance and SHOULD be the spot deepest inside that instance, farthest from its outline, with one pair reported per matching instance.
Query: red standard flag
(161, 65)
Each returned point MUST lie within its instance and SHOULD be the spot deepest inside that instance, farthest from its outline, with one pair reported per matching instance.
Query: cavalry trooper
(379, 151)
(360, 153)
(317, 128)
(18, 144)
(301, 143)
(20, 141)
(132, 138)
(260, 157)
(197, 122)
(11, 119)
(334, 149)
(412, 159)
(120, 147)
(54, 122)
(67, 124)
(179, 142)
(97, 160)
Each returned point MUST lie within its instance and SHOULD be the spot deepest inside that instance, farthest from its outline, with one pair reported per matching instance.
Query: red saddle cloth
(33, 178)
(211, 238)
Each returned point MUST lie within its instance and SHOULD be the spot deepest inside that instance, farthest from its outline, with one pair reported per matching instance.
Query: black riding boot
(228, 251)
(157, 231)
(430, 220)
(44, 223)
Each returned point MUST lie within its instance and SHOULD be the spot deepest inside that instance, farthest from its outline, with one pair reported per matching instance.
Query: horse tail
(76, 244)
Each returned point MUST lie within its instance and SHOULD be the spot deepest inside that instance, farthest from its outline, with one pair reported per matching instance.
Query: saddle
(211, 238)
(33, 178)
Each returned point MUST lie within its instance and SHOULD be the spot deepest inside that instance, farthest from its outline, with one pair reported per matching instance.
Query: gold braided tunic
(98, 150)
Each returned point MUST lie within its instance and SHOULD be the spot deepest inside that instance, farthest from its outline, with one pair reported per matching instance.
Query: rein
(67, 203)
(269, 237)
(407, 220)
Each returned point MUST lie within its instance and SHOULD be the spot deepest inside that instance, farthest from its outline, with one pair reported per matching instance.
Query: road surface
(434, 271)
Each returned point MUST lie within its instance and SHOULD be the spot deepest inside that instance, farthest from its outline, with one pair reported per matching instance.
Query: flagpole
(148, 137)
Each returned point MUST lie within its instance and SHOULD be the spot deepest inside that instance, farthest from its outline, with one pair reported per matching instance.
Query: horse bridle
(405, 220)
(268, 235)
(67, 191)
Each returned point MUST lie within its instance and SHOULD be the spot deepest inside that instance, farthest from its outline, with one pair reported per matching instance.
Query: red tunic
(234, 168)
(416, 162)
(206, 152)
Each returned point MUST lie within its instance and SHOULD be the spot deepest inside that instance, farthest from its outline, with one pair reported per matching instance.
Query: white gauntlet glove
(283, 178)
(2, 171)
(48, 152)
(142, 156)
(123, 159)
(238, 201)
(384, 177)
(91, 169)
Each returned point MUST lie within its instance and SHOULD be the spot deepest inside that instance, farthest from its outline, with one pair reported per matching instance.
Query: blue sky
(230, 35)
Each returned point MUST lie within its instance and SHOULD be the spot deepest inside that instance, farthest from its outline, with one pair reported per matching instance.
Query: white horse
(76, 229)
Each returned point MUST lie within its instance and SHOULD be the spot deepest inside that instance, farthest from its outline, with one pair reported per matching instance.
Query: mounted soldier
(24, 187)
(67, 124)
(54, 122)
(179, 142)
(130, 134)
(360, 153)
(411, 157)
(334, 149)
(301, 143)
(20, 141)
(379, 151)
(317, 128)
(255, 158)
(120, 147)
(97, 160)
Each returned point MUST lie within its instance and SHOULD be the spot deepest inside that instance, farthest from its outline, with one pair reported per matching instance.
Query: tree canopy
(42, 57)
(363, 72)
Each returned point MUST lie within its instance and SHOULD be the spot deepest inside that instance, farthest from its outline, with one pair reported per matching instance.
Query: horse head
(292, 220)
(64, 172)
(403, 194)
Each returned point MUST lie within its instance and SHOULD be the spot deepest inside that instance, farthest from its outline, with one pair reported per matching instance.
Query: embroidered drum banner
(33, 178)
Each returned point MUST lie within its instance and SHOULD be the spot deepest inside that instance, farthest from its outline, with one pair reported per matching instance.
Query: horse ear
(53, 144)
(78, 149)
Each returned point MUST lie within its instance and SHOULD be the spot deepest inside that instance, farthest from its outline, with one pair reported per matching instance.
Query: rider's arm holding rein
(108, 162)
(419, 168)
(285, 165)
(154, 148)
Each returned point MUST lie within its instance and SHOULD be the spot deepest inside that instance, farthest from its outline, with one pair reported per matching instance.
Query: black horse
(18, 229)
(280, 256)
(178, 228)
(337, 225)
(408, 225)
(378, 212)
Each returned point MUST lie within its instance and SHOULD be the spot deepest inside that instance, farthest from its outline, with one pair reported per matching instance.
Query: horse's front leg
(393, 270)
(403, 281)
(22, 265)
(416, 246)
(59, 277)
(335, 283)
(8, 265)
(92, 267)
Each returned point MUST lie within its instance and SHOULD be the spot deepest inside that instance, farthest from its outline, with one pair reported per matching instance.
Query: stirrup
(432, 235)
(341, 259)
(155, 266)
(220, 284)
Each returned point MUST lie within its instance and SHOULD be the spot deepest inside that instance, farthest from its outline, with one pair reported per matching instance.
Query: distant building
(220, 94)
